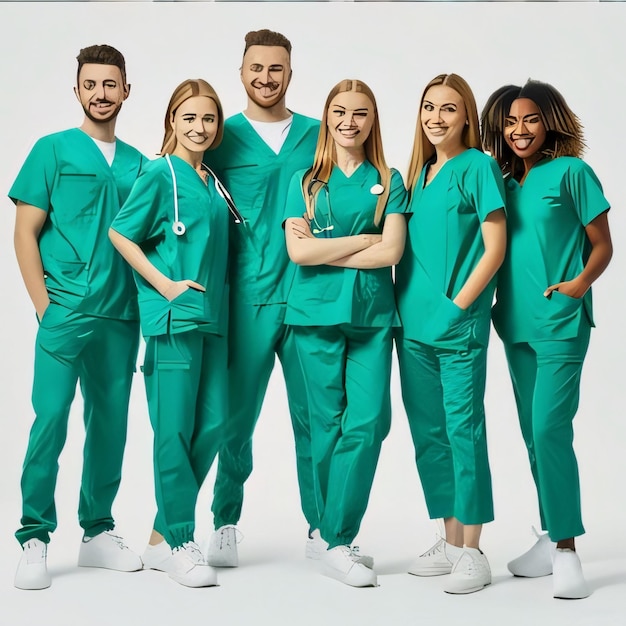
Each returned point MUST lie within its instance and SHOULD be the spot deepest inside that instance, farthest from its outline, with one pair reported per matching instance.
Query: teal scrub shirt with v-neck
(199, 254)
(547, 245)
(324, 295)
(258, 179)
(81, 195)
(444, 245)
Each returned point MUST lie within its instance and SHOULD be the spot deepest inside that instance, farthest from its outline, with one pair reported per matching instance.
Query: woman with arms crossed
(444, 284)
(341, 308)
(559, 244)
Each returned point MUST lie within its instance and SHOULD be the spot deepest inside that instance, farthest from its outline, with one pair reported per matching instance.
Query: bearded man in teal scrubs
(67, 193)
(261, 149)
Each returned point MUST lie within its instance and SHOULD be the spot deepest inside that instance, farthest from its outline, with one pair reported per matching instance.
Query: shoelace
(33, 555)
(225, 535)
(436, 549)
(117, 539)
(192, 550)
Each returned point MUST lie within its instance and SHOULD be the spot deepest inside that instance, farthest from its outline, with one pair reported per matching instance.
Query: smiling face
(350, 118)
(195, 124)
(524, 130)
(444, 117)
(101, 91)
(265, 74)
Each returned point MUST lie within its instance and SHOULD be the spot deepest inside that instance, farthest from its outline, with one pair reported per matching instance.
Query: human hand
(177, 287)
(301, 227)
(575, 288)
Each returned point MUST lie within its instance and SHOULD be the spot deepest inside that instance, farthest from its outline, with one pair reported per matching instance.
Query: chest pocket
(75, 196)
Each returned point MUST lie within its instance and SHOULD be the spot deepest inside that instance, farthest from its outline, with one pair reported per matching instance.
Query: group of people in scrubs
(271, 234)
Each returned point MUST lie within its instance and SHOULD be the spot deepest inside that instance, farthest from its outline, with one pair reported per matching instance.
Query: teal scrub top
(444, 245)
(258, 179)
(67, 176)
(547, 245)
(324, 295)
(200, 254)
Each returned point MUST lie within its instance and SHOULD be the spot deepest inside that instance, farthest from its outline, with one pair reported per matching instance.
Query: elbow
(297, 257)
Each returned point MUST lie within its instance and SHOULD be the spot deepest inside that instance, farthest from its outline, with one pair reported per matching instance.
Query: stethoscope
(178, 226)
(376, 190)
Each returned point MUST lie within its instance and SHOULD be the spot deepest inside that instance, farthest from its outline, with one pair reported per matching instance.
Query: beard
(102, 120)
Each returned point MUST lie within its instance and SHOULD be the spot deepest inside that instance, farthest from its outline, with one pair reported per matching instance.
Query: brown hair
(189, 89)
(325, 154)
(422, 148)
(103, 55)
(266, 37)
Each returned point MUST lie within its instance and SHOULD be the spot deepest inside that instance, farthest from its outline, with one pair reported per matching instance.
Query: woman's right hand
(176, 287)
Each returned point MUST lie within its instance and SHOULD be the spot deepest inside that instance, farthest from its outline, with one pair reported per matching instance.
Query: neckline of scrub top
(541, 161)
(94, 148)
(190, 166)
(289, 139)
(354, 172)
(428, 163)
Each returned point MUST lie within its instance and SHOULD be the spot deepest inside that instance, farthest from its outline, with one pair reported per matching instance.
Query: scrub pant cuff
(338, 541)
(561, 536)
(97, 529)
(176, 536)
(24, 535)
(218, 522)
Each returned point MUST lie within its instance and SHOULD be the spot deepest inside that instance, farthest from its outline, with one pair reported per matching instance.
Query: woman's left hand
(573, 288)
(301, 228)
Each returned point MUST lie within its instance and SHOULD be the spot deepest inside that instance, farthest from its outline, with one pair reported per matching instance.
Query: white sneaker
(537, 561)
(569, 582)
(315, 546)
(436, 561)
(223, 547)
(188, 567)
(32, 571)
(470, 572)
(347, 566)
(157, 556)
(108, 551)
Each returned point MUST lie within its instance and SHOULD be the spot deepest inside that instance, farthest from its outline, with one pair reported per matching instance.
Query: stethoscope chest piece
(179, 228)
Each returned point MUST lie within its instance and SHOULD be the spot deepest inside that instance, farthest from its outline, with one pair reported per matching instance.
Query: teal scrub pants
(443, 392)
(546, 383)
(186, 377)
(256, 336)
(101, 354)
(347, 371)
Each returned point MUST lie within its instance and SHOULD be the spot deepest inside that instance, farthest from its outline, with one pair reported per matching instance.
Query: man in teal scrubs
(67, 193)
(262, 148)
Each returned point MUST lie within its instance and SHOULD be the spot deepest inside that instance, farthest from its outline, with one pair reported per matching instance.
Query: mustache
(272, 85)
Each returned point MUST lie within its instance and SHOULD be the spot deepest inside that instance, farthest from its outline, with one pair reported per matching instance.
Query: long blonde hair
(189, 89)
(422, 148)
(325, 153)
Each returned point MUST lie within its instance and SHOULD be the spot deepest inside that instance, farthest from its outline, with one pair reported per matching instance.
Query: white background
(396, 49)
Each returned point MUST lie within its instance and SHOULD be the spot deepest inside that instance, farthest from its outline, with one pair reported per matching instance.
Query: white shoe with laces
(222, 550)
(108, 551)
(32, 570)
(188, 567)
(436, 561)
(537, 561)
(569, 582)
(470, 573)
(157, 556)
(345, 564)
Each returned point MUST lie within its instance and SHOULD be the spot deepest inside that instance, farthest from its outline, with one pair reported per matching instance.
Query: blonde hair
(325, 153)
(422, 148)
(189, 89)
